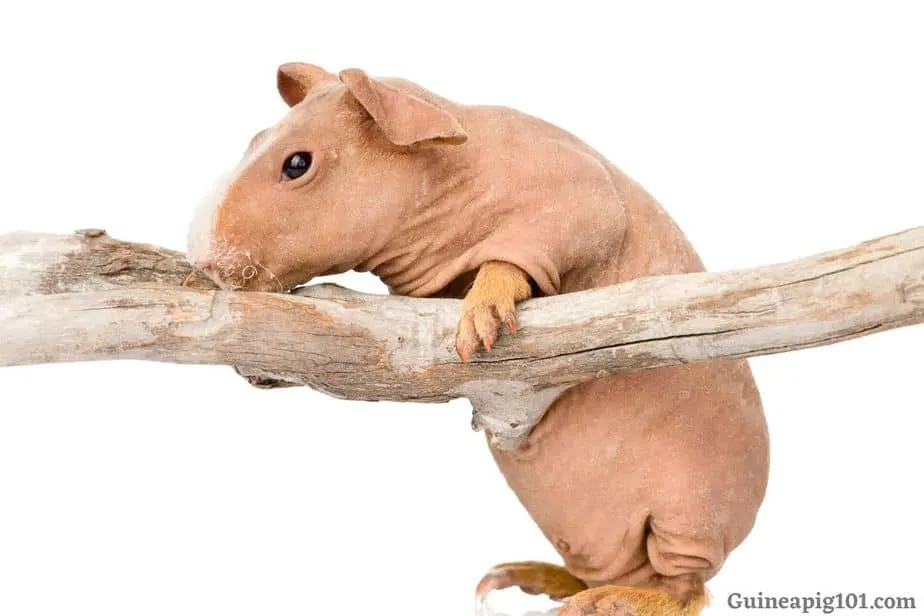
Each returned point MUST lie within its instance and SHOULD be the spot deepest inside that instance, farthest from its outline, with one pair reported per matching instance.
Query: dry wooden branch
(90, 297)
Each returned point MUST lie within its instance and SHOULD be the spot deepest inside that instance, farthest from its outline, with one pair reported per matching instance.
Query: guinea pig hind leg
(630, 600)
(534, 578)
(490, 302)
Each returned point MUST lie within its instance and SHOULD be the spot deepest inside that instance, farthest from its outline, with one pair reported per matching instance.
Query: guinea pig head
(325, 188)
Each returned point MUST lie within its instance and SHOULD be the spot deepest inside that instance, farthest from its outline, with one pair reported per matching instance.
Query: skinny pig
(643, 482)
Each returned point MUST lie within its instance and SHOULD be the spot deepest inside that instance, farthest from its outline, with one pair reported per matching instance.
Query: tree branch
(87, 297)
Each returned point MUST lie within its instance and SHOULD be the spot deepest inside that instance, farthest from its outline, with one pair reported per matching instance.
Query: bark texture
(87, 296)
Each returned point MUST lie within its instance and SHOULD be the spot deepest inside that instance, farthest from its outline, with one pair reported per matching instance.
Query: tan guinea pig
(643, 482)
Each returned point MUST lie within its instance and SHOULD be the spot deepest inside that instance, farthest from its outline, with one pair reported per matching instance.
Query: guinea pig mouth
(237, 270)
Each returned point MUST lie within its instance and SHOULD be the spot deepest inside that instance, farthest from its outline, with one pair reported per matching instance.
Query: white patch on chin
(199, 238)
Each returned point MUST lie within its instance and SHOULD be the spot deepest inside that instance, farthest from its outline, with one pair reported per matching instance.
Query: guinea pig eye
(296, 165)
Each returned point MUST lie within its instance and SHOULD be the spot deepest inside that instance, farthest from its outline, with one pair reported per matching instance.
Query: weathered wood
(89, 297)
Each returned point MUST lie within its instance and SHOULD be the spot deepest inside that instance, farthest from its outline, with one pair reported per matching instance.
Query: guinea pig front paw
(480, 324)
(491, 301)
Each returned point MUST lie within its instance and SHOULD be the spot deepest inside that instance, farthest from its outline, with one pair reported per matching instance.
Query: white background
(137, 488)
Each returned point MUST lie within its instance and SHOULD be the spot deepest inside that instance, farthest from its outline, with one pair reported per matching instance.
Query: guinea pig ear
(402, 117)
(295, 79)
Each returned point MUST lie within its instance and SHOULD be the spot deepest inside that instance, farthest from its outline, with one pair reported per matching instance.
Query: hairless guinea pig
(644, 481)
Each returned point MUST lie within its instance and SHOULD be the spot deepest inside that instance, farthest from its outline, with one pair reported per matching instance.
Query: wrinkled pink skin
(645, 479)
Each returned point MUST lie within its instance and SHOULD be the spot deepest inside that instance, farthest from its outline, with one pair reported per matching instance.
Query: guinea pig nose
(203, 262)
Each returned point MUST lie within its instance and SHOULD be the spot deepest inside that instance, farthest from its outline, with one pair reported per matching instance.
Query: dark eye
(296, 165)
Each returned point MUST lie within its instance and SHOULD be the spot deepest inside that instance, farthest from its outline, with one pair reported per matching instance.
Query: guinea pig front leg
(492, 299)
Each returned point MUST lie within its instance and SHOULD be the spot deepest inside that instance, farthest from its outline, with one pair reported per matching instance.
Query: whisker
(271, 274)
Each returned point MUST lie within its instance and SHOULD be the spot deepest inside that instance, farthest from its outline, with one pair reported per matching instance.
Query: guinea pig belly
(652, 472)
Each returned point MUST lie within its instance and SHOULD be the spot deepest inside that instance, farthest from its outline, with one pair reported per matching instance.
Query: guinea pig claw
(487, 323)
(469, 334)
(480, 325)
(494, 580)
(463, 353)
(507, 313)
(531, 577)
(466, 341)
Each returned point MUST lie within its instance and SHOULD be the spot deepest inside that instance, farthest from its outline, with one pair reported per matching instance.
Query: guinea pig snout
(206, 265)
(203, 263)
(234, 268)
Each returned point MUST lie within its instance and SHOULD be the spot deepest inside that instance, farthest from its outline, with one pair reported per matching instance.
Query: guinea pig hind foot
(534, 578)
(629, 600)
